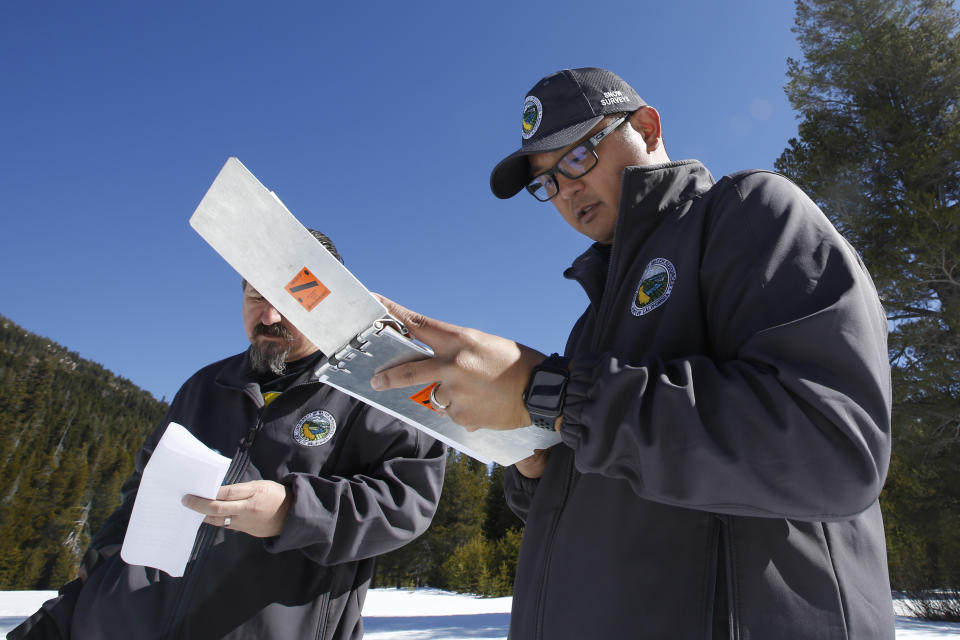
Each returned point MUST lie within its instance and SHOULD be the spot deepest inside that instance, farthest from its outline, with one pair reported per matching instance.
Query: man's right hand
(257, 507)
(533, 466)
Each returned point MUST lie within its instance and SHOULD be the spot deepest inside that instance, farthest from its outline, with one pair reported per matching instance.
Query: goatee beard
(269, 355)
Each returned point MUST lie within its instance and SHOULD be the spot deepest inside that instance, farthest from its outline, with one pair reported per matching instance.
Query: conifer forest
(69, 431)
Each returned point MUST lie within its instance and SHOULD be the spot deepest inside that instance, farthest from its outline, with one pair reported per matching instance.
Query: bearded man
(319, 485)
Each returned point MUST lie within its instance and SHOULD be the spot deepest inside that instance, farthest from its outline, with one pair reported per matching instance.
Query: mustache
(276, 330)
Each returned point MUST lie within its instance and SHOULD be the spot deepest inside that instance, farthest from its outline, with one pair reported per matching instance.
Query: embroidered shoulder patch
(315, 428)
(655, 286)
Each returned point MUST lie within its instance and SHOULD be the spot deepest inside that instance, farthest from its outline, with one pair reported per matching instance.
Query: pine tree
(879, 151)
(459, 516)
(498, 519)
(466, 569)
(11, 397)
(68, 432)
(504, 562)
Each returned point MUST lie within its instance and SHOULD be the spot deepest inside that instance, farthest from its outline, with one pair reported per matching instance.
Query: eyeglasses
(574, 164)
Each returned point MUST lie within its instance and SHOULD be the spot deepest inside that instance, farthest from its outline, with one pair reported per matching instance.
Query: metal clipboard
(256, 234)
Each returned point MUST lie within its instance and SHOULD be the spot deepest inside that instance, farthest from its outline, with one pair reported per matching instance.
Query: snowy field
(429, 614)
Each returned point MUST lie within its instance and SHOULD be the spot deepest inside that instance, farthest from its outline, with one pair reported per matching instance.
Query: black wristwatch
(546, 391)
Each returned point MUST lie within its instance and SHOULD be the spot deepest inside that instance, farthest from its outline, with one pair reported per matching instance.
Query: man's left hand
(257, 508)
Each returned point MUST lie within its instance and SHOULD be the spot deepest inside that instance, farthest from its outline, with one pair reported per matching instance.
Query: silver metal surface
(254, 232)
(387, 348)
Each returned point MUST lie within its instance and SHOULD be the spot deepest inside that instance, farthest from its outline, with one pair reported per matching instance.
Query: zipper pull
(251, 434)
(247, 439)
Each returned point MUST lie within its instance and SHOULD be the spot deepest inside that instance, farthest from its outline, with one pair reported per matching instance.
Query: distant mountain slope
(69, 430)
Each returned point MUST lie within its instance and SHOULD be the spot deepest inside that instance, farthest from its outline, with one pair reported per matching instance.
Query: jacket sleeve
(788, 414)
(341, 519)
(519, 491)
(52, 620)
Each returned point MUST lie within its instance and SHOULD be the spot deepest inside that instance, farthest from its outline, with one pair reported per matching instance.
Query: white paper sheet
(162, 531)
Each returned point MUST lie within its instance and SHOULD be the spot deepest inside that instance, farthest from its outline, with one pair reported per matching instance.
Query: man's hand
(533, 466)
(257, 508)
(482, 377)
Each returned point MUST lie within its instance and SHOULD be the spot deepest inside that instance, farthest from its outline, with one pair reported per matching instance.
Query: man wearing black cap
(723, 402)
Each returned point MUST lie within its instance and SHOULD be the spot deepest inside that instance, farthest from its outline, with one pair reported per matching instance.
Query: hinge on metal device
(358, 345)
(390, 321)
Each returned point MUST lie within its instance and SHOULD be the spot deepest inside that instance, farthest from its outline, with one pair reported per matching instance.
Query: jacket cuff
(521, 483)
(573, 431)
(518, 490)
(305, 524)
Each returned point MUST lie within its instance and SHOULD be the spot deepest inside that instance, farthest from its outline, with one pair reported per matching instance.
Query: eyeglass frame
(591, 145)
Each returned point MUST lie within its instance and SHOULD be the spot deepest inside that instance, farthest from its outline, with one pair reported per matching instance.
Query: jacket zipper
(237, 466)
(725, 549)
(568, 476)
(606, 296)
(324, 615)
(548, 554)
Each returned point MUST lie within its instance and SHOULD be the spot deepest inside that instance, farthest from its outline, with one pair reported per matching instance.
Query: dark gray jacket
(371, 488)
(726, 431)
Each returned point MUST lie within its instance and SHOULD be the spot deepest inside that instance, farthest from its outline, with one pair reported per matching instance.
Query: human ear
(646, 122)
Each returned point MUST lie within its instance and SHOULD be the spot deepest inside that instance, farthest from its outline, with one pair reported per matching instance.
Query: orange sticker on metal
(307, 289)
(422, 397)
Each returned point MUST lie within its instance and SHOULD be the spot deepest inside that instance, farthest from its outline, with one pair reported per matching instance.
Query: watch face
(546, 392)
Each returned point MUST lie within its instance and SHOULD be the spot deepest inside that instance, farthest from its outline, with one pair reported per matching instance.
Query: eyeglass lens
(574, 164)
(543, 187)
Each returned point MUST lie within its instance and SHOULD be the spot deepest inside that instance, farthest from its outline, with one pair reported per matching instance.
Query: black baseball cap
(559, 110)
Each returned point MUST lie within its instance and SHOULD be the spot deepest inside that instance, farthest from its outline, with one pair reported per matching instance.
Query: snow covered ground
(429, 614)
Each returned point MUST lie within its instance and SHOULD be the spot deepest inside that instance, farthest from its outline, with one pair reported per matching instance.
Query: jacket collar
(236, 374)
(659, 188)
(647, 193)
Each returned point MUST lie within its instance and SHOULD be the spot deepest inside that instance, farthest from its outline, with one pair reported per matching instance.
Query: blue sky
(376, 122)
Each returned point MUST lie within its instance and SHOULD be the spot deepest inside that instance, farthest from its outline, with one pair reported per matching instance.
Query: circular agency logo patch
(315, 428)
(655, 286)
(532, 115)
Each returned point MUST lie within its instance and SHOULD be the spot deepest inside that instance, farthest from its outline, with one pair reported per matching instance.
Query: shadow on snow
(478, 625)
(929, 629)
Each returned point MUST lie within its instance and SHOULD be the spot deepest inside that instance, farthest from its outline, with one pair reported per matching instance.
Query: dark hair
(327, 243)
(322, 239)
